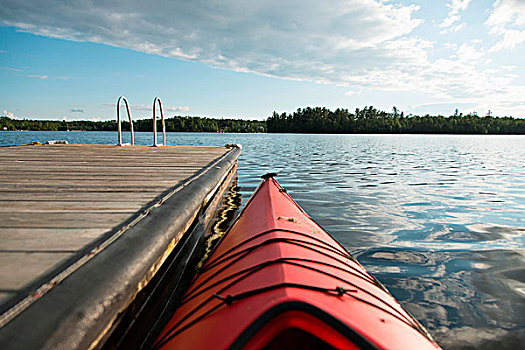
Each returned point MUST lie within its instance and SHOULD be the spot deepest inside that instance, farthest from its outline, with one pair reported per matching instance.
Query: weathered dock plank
(28, 265)
(60, 220)
(60, 205)
(64, 206)
(79, 188)
(111, 197)
(47, 239)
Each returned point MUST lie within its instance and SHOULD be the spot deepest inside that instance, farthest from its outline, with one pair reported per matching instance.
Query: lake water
(439, 219)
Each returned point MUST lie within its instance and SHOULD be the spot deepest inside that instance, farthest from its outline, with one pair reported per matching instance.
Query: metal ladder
(119, 128)
(122, 98)
(155, 123)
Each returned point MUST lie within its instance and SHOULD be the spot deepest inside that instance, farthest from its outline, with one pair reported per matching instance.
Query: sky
(247, 58)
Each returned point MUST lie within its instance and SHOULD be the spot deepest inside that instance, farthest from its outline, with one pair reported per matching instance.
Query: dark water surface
(439, 219)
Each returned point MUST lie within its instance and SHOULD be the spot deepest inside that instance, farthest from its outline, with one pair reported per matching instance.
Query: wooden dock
(73, 217)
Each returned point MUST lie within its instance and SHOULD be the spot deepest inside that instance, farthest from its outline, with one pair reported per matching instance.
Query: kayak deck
(278, 280)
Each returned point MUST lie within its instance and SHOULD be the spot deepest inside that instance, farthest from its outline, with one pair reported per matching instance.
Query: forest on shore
(174, 124)
(373, 121)
(368, 120)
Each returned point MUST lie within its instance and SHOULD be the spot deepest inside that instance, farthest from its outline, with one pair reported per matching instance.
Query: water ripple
(439, 219)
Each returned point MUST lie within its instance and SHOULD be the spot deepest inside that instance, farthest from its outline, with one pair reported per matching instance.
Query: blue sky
(248, 58)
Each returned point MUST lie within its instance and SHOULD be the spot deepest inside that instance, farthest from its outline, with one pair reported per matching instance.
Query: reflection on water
(225, 215)
(439, 219)
(457, 290)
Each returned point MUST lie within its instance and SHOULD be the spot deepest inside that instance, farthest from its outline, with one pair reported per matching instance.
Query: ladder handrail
(122, 98)
(155, 123)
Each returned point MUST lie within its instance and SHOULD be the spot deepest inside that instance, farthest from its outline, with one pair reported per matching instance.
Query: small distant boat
(277, 280)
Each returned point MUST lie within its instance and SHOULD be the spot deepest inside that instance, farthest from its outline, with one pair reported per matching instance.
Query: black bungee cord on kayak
(224, 257)
(199, 290)
(352, 270)
(173, 331)
(290, 261)
(228, 299)
(231, 257)
(251, 238)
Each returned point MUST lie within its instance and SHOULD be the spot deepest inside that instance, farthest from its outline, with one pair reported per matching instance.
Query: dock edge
(82, 307)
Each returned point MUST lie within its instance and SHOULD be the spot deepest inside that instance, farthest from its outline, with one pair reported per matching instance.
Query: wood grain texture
(27, 265)
(45, 239)
(56, 199)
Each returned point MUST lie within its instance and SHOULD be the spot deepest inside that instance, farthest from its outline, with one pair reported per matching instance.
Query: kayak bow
(277, 280)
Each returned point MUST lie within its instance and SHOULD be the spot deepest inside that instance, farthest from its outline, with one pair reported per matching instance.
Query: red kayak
(277, 280)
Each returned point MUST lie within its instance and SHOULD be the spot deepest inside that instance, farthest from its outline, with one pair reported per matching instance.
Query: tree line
(303, 120)
(177, 124)
(374, 121)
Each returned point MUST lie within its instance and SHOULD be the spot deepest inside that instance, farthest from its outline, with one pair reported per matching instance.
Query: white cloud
(450, 20)
(178, 109)
(457, 5)
(454, 28)
(507, 20)
(511, 39)
(35, 76)
(358, 44)
(353, 92)
(11, 69)
(150, 107)
(8, 114)
(466, 53)
(269, 38)
(140, 107)
(506, 12)
(168, 108)
(454, 6)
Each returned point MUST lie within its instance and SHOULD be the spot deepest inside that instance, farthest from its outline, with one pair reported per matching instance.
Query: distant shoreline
(177, 124)
(291, 133)
(320, 120)
(317, 120)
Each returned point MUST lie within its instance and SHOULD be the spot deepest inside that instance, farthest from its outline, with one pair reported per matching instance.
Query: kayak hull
(277, 279)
